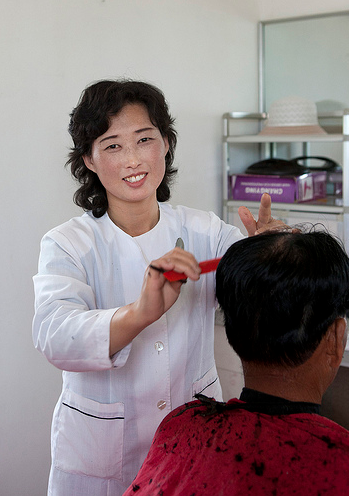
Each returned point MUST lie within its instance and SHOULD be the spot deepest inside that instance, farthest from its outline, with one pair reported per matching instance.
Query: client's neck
(291, 383)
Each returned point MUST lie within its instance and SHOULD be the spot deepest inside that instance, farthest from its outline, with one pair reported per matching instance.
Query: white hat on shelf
(292, 115)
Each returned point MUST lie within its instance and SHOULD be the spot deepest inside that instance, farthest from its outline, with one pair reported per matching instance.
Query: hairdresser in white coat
(131, 344)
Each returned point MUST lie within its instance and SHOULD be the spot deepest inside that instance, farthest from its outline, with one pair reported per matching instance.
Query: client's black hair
(280, 291)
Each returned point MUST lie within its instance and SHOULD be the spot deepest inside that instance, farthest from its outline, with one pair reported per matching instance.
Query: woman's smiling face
(129, 158)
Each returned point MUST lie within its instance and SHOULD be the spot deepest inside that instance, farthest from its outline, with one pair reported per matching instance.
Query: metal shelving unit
(266, 146)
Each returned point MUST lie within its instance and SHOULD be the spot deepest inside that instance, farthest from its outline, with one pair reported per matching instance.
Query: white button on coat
(159, 346)
(161, 404)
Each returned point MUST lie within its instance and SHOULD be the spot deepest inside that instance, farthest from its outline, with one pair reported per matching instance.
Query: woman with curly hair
(132, 345)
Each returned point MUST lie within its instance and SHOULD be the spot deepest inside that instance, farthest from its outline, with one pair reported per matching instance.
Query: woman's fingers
(180, 261)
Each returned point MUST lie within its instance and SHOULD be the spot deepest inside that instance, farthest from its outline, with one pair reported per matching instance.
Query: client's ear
(336, 341)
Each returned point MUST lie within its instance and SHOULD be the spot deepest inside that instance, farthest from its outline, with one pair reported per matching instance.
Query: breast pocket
(209, 385)
(89, 437)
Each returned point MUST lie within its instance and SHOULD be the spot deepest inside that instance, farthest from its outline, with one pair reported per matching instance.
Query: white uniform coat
(109, 409)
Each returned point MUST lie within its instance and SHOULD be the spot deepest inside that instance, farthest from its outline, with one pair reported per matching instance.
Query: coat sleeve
(68, 328)
(222, 235)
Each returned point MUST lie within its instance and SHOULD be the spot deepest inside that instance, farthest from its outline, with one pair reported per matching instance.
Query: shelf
(295, 138)
(319, 207)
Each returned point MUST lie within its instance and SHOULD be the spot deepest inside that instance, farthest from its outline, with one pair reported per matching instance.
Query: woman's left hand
(265, 221)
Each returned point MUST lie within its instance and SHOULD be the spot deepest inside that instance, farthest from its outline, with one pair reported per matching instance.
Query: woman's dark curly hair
(91, 118)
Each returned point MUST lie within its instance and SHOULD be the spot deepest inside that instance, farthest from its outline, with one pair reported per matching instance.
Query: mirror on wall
(307, 57)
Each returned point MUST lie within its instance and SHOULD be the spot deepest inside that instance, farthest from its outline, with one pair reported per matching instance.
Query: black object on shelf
(316, 163)
(276, 167)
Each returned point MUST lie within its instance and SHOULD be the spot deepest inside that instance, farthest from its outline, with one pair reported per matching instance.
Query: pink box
(283, 189)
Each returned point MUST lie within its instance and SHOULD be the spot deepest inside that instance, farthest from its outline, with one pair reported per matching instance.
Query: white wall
(202, 53)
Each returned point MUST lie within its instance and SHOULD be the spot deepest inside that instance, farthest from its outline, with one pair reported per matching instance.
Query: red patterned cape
(239, 453)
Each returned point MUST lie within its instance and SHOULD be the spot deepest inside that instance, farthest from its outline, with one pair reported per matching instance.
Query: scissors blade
(180, 243)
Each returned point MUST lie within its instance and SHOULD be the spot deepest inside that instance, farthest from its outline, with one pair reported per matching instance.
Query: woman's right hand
(157, 296)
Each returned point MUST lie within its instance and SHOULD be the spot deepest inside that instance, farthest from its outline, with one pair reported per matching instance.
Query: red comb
(206, 266)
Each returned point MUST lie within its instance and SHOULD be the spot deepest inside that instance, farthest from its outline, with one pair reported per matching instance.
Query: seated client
(285, 298)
